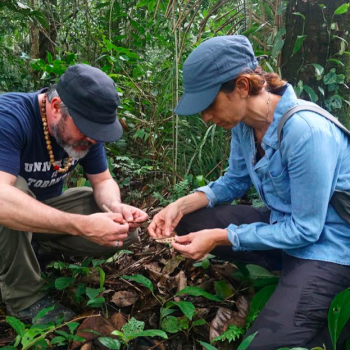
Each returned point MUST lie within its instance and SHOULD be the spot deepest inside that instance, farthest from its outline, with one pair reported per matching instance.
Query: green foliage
(198, 292)
(298, 43)
(133, 329)
(186, 307)
(258, 302)
(34, 336)
(110, 343)
(142, 280)
(246, 342)
(338, 315)
(63, 282)
(231, 334)
(173, 324)
(223, 289)
(207, 346)
(329, 81)
(342, 9)
(94, 295)
(243, 346)
(256, 275)
(205, 263)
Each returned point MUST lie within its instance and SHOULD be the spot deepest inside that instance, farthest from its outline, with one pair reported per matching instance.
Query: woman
(295, 180)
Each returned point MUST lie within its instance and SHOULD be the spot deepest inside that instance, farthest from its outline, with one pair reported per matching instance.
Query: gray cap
(211, 64)
(92, 101)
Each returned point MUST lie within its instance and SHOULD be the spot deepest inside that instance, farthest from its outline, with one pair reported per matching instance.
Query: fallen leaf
(86, 346)
(172, 264)
(118, 321)
(96, 324)
(243, 305)
(181, 281)
(124, 298)
(220, 322)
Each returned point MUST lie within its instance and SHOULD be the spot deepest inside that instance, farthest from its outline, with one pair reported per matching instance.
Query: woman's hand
(197, 244)
(164, 223)
(132, 215)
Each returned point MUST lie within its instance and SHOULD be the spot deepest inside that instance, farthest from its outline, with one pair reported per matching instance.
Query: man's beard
(58, 130)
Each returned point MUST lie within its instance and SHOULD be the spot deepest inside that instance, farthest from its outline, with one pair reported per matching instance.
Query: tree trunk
(47, 39)
(34, 34)
(320, 46)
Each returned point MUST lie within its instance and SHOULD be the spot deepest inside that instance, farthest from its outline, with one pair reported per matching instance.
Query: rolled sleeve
(209, 194)
(233, 237)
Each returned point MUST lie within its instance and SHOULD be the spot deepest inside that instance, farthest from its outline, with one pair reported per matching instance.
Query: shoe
(30, 312)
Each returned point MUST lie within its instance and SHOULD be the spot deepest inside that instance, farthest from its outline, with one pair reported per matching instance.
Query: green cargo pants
(20, 280)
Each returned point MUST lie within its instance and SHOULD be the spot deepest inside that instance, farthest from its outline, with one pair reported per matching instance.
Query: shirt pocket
(278, 175)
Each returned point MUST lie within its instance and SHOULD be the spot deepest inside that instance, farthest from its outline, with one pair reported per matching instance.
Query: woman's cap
(211, 64)
(92, 100)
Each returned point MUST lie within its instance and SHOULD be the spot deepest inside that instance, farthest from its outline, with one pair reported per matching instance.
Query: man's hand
(134, 216)
(197, 244)
(164, 223)
(104, 228)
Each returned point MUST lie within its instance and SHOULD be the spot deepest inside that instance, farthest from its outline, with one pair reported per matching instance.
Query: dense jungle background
(141, 45)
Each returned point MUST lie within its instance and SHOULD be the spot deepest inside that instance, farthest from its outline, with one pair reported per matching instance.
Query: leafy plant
(338, 315)
(243, 346)
(173, 324)
(198, 292)
(29, 336)
(133, 329)
(94, 295)
(231, 334)
(258, 302)
(205, 263)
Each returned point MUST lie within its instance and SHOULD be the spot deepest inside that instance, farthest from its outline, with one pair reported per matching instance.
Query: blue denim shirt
(295, 182)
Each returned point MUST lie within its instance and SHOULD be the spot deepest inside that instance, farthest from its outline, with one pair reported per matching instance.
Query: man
(43, 136)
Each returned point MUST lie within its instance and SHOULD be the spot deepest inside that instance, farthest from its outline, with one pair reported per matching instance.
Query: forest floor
(218, 296)
(139, 289)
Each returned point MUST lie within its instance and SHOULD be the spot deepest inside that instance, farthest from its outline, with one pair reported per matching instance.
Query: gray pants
(20, 279)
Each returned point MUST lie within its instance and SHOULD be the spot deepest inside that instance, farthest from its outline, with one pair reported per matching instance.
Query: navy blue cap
(92, 100)
(214, 62)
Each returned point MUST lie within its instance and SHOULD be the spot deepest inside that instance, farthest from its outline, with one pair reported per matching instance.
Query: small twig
(259, 42)
(135, 118)
(182, 18)
(106, 209)
(165, 240)
(54, 329)
(167, 11)
(130, 284)
(155, 13)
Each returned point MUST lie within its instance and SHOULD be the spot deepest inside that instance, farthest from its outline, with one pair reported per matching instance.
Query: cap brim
(196, 102)
(96, 131)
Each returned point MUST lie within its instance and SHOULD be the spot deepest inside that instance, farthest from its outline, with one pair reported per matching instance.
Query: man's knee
(22, 185)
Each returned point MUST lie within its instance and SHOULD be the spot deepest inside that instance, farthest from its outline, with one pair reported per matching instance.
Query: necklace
(48, 142)
(268, 106)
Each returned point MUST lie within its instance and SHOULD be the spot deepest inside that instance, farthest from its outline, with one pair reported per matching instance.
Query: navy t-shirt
(23, 147)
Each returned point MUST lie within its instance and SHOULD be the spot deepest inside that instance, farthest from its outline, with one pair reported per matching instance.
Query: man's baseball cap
(92, 100)
(214, 62)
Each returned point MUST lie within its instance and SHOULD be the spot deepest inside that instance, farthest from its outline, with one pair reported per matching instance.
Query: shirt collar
(288, 100)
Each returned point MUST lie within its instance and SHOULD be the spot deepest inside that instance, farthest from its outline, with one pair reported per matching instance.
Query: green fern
(231, 334)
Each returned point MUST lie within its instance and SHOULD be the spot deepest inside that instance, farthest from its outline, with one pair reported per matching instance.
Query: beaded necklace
(48, 142)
